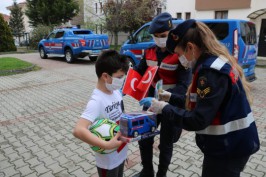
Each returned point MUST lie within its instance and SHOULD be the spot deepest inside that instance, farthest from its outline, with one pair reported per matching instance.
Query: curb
(261, 61)
(18, 70)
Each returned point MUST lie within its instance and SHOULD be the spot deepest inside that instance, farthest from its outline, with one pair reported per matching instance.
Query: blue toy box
(138, 125)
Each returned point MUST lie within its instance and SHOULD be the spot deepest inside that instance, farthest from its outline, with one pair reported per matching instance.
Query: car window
(141, 122)
(135, 123)
(52, 35)
(59, 34)
(143, 35)
(82, 32)
(248, 33)
(221, 30)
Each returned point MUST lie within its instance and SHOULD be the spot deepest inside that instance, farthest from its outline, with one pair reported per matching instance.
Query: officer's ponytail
(206, 41)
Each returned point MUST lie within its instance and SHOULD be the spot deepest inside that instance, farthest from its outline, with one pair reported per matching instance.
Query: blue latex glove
(146, 101)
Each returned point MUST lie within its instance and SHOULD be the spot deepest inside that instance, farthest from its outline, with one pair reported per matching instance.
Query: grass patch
(117, 48)
(10, 65)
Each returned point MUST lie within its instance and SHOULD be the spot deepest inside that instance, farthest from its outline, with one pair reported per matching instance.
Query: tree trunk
(116, 40)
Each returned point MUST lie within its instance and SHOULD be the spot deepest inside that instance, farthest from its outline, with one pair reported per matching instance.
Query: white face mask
(160, 42)
(187, 64)
(116, 84)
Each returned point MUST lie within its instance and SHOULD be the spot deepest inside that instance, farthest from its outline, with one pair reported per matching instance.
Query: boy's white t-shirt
(102, 105)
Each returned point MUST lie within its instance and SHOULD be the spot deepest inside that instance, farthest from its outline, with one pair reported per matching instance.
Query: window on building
(159, 10)
(221, 14)
(101, 7)
(179, 15)
(188, 15)
(96, 7)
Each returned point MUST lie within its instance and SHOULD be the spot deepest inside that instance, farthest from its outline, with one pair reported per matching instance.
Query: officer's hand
(157, 106)
(164, 96)
(145, 101)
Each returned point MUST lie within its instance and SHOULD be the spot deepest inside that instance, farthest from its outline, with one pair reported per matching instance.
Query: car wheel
(42, 53)
(69, 57)
(135, 134)
(93, 58)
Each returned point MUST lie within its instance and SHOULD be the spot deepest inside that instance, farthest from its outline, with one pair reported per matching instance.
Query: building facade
(251, 10)
(94, 19)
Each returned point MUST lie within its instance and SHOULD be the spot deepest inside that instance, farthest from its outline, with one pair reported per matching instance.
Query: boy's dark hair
(110, 61)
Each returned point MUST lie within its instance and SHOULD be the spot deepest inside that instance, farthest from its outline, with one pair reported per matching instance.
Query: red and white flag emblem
(136, 85)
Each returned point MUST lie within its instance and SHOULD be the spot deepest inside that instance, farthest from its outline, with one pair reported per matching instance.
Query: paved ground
(38, 111)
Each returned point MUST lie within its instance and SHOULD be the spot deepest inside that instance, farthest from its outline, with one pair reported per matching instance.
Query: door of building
(262, 39)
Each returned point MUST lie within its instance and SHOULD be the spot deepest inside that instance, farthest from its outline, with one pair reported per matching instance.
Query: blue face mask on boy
(116, 84)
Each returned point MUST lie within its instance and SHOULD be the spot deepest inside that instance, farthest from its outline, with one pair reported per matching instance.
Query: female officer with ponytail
(218, 104)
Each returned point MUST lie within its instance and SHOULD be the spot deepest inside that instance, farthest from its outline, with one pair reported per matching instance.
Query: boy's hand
(157, 106)
(114, 142)
(164, 96)
(145, 101)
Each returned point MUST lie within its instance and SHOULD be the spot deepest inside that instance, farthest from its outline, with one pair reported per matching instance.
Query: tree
(112, 11)
(128, 15)
(137, 12)
(6, 38)
(90, 22)
(51, 12)
(16, 21)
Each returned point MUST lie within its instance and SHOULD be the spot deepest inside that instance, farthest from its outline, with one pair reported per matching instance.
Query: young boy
(106, 102)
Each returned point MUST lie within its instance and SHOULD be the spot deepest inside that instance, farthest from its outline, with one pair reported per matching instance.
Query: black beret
(175, 35)
(161, 23)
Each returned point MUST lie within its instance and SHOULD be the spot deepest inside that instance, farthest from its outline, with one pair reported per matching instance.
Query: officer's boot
(145, 173)
(164, 159)
(161, 171)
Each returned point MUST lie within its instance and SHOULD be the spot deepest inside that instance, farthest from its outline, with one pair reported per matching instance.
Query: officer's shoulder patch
(203, 89)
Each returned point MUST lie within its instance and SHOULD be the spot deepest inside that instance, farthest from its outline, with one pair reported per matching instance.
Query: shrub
(38, 34)
(6, 39)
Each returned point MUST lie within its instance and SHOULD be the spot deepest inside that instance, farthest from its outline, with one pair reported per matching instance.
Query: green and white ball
(106, 130)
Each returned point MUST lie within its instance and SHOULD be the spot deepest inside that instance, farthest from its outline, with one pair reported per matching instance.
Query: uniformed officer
(218, 108)
(176, 79)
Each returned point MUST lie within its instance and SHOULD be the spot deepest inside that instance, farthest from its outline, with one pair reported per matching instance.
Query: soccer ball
(106, 130)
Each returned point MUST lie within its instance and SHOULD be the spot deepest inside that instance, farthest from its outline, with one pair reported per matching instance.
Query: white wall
(183, 6)
(174, 6)
(204, 14)
(26, 20)
(257, 5)
(258, 22)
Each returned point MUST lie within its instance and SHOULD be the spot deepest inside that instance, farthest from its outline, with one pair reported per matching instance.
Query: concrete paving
(39, 109)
